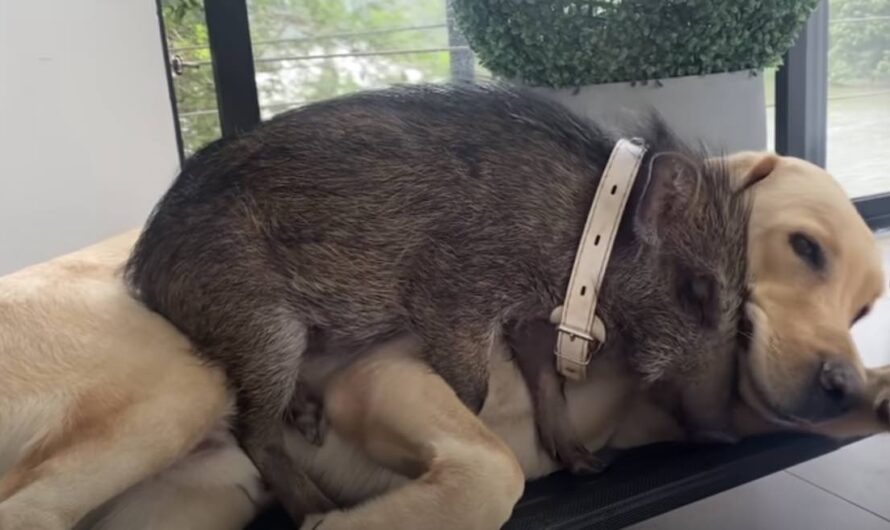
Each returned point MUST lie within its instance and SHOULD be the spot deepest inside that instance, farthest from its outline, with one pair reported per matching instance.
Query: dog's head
(814, 269)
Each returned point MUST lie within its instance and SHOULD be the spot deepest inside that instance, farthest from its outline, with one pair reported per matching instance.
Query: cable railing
(328, 36)
(340, 55)
(201, 112)
(857, 20)
(291, 104)
(425, 27)
(871, 94)
(180, 64)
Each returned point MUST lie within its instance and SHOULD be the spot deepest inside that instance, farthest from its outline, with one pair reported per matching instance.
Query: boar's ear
(671, 188)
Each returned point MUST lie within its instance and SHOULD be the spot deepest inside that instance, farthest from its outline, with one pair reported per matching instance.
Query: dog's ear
(747, 168)
(671, 189)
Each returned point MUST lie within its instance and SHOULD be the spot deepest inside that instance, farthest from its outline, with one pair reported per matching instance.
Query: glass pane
(306, 50)
(859, 95)
(769, 80)
(186, 33)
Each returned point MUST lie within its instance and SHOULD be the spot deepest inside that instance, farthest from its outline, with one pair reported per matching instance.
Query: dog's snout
(838, 387)
(839, 380)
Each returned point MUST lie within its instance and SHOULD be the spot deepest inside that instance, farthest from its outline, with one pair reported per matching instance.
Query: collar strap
(581, 332)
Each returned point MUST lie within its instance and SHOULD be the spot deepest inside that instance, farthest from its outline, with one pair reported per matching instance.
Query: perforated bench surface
(642, 483)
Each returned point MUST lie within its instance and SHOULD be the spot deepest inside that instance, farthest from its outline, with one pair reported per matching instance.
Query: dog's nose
(839, 387)
(838, 379)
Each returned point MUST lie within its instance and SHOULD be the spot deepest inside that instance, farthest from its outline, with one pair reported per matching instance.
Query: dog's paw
(313, 522)
(879, 394)
(562, 444)
(313, 425)
(21, 518)
(308, 419)
(580, 461)
(332, 521)
(882, 408)
(883, 412)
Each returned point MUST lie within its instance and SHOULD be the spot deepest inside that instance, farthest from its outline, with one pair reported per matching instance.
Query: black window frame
(801, 88)
(802, 108)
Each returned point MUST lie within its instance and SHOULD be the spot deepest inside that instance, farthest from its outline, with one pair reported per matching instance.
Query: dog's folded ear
(673, 181)
(747, 168)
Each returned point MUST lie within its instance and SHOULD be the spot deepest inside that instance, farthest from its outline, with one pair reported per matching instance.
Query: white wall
(87, 143)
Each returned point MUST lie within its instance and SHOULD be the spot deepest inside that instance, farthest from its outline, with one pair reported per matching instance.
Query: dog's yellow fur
(802, 317)
(96, 392)
(101, 400)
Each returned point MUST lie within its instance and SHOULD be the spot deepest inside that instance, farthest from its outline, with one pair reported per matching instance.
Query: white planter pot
(725, 111)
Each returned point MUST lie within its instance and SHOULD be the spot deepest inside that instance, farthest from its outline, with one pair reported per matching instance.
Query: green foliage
(293, 28)
(562, 43)
(592, 42)
(176, 10)
(859, 41)
(195, 94)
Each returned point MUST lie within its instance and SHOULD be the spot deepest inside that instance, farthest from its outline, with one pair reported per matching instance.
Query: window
(189, 55)
(769, 81)
(307, 50)
(859, 95)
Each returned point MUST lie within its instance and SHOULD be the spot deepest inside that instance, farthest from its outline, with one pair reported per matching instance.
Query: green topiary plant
(563, 43)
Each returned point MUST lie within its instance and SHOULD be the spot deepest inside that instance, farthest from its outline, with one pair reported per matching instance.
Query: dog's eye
(808, 250)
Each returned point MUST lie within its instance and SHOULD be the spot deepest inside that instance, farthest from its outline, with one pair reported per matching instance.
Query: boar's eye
(698, 296)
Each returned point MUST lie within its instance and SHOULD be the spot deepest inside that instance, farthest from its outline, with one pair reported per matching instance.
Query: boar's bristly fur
(444, 211)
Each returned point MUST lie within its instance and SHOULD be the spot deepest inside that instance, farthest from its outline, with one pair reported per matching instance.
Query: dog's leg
(532, 344)
(215, 487)
(114, 437)
(878, 395)
(408, 419)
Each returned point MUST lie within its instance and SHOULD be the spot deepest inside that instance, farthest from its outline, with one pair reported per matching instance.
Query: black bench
(642, 483)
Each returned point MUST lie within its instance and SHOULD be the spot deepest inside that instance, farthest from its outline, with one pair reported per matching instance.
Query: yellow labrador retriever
(815, 272)
(106, 415)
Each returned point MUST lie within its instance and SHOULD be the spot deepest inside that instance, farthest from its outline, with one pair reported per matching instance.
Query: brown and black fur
(452, 212)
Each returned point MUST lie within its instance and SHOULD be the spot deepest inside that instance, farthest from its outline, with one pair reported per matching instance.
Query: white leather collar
(581, 332)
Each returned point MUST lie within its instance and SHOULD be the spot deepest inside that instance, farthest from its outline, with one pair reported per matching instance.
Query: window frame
(802, 109)
(801, 87)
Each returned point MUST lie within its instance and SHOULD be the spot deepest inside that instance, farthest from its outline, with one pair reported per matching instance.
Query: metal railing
(327, 36)
(801, 84)
(336, 55)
